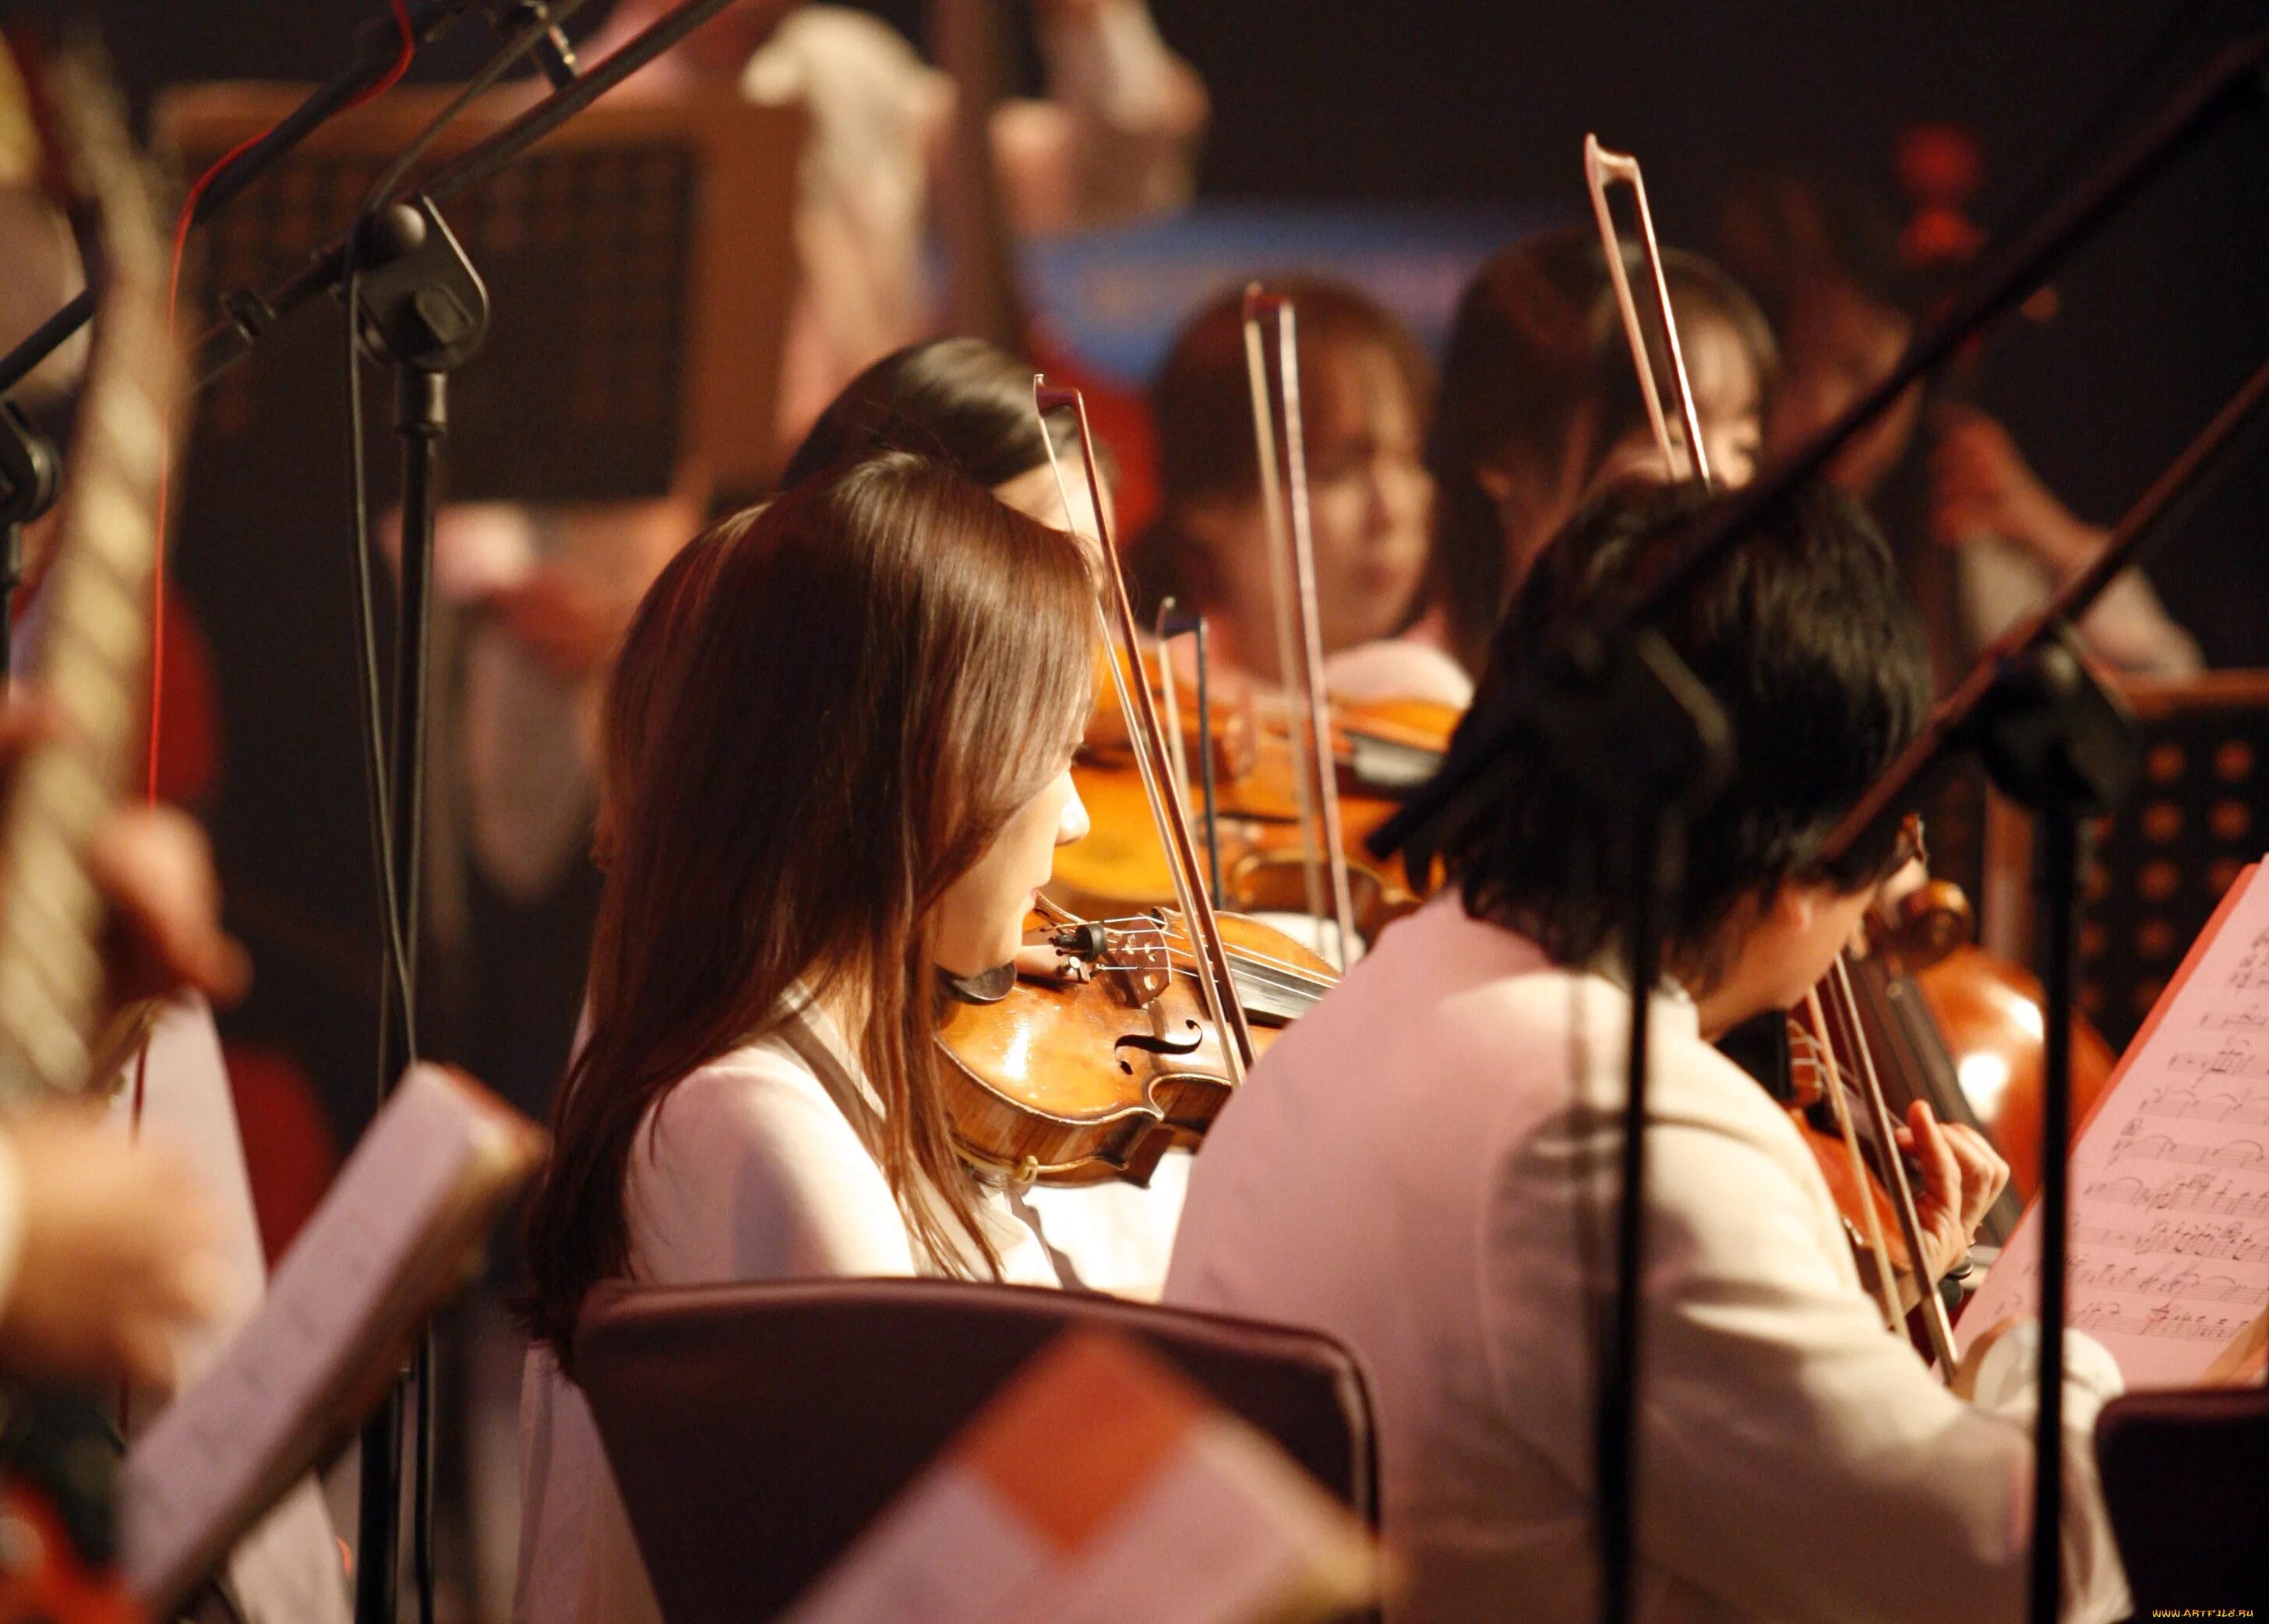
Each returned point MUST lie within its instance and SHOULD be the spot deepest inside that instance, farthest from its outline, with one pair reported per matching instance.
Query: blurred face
(1839, 345)
(1370, 501)
(1728, 398)
(1370, 509)
(979, 921)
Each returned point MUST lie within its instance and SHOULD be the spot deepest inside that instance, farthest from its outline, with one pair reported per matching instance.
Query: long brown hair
(1537, 379)
(874, 673)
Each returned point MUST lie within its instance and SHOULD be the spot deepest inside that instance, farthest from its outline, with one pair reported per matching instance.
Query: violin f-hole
(1161, 1043)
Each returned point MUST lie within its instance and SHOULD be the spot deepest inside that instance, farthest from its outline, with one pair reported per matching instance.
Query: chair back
(755, 1430)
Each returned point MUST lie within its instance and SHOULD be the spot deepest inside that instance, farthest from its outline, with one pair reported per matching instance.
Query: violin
(1290, 813)
(1097, 1056)
(1381, 749)
(1106, 1041)
(1876, 1202)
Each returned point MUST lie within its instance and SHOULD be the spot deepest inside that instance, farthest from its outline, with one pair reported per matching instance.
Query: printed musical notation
(2169, 1223)
(2159, 1280)
(2231, 1242)
(2254, 1018)
(2252, 971)
(2237, 1058)
(2104, 1320)
(2136, 1143)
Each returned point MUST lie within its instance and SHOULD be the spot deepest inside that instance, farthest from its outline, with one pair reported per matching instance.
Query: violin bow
(1832, 1073)
(1602, 169)
(1116, 611)
(1292, 576)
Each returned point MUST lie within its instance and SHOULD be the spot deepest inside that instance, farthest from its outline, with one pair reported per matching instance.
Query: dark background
(1481, 101)
(1427, 101)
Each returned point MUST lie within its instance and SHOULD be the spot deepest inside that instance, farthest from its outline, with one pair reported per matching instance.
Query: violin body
(1381, 750)
(1080, 1081)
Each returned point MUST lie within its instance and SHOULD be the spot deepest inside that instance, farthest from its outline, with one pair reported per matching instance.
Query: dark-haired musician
(1423, 1166)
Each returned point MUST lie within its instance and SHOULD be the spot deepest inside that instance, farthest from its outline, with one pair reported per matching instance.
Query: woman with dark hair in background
(885, 648)
(963, 401)
(1541, 407)
(1367, 394)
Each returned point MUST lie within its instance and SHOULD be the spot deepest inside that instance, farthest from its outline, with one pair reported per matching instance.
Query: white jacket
(1402, 1170)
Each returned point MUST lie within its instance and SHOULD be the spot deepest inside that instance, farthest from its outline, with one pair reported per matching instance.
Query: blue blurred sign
(1117, 296)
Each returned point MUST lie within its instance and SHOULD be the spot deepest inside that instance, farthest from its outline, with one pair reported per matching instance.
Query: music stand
(2162, 861)
(640, 261)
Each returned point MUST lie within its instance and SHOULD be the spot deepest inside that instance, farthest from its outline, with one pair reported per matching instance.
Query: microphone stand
(423, 310)
(1646, 743)
(2064, 746)
(27, 488)
(378, 47)
(250, 313)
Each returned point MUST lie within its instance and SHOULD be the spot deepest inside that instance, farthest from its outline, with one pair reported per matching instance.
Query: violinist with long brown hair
(848, 778)
(1423, 1165)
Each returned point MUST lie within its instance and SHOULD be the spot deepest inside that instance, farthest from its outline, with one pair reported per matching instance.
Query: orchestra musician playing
(1540, 409)
(1367, 398)
(1421, 1166)
(885, 648)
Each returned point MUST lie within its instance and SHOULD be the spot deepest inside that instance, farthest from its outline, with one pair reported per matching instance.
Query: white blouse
(749, 1170)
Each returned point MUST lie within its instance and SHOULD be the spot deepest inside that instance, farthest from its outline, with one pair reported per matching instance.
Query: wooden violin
(1286, 818)
(1097, 1055)
(1381, 749)
(1106, 1041)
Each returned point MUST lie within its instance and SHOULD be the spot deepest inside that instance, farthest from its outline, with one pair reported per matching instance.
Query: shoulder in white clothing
(748, 1170)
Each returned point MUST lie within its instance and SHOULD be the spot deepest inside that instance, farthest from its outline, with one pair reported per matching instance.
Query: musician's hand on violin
(1961, 1176)
(119, 1253)
(1981, 485)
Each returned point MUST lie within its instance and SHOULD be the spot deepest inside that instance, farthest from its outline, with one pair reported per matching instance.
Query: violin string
(1305, 991)
(1149, 932)
(1261, 972)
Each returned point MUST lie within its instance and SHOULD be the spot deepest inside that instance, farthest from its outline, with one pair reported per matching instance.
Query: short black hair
(1801, 632)
(962, 401)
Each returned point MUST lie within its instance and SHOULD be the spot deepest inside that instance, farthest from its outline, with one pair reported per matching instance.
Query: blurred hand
(119, 1252)
(1981, 485)
(1961, 1176)
(155, 869)
(569, 621)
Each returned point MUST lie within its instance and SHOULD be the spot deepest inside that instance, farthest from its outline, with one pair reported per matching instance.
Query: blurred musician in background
(757, 1097)
(1540, 408)
(109, 1247)
(1421, 1164)
(1982, 541)
(1367, 397)
(1115, 138)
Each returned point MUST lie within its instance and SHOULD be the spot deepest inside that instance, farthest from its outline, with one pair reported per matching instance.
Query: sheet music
(2170, 1237)
(213, 1452)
